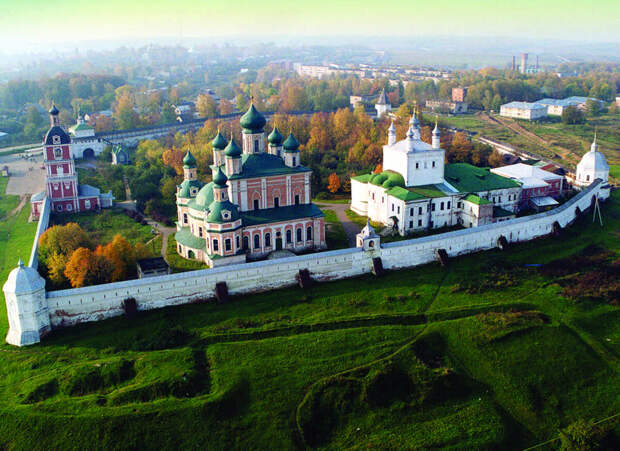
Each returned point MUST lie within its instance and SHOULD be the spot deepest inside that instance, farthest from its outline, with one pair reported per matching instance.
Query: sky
(41, 24)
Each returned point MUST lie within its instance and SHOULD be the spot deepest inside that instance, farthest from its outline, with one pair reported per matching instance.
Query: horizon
(183, 21)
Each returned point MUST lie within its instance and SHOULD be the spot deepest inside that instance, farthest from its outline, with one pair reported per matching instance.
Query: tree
(62, 240)
(581, 436)
(56, 269)
(613, 108)
(225, 107)
(495, 159)
(168, 116)
(571, 115)
(334, 183)
(378, 169)
(206, 106)
(174, 159)
(592, 108)
(86, 268)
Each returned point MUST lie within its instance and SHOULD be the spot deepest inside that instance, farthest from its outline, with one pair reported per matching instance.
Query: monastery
(259, 200)
(61, 180)
(416, 191)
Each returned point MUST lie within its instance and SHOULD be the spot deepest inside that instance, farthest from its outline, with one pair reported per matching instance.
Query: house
(539, 188)
(152, 267)
(523, 110)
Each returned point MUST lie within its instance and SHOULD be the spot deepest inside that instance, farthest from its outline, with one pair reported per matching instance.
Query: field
(492, 351)
(335, 236)
(8, 202)
(178, 263)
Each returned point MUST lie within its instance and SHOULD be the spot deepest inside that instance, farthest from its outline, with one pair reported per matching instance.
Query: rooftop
(471, 179)
(476, 199)
(278, 214)
(521, 171)
(264, 164)
(523, 105)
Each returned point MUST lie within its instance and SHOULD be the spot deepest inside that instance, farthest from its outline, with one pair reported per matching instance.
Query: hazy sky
(29, 23)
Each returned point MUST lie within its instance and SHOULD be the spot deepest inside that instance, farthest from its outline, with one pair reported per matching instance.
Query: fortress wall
(68, 307)
(44, 221)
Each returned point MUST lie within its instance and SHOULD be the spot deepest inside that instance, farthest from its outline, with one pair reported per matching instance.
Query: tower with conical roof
(253, 124)
(436, 141)
(382, 106)
(391, 134)
(219, 143)
(188, 189)
(275, 142)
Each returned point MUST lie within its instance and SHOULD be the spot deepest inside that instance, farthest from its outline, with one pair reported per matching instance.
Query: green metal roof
(275, 137)
(219, 142)
(220, 179)
(216, 208)
(82, 126)
(476, 199)
(387, 179)
(416, 192)
(291, 144)
(404, 194)
(189, 161)
(205, 196)
(279, 214)
(471, 179)
(232, 149)
(252, 121)
(186, 186)
(264, 164)
(364, 178)
(187, 238)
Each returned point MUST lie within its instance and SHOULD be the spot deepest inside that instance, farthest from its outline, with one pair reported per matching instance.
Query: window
(419, 223)
(493, 199)
(460, 205)
(420, 210)
(87, 204)
(237, 242)
(228, 244)
(398, 210)
(296, 199)
(309, 233)
(215, 245)
(256, 146)
(69, 207)
(256, 241)
(57, 153)
(255, 204)
(382, 199)
(184, 218)
(587, 178)
(417, 165)
(289, 236)
(411, 212)
(373, 196)
(411, 224)
(294, 161)
(246, 242)
(448, 206)
(433, 164)
(433, 207)
(441, 206)
(267, 239)
(180, 249)
(200, 232)
(56, 139)
(392, 207)
(276, 202)
(298, 235)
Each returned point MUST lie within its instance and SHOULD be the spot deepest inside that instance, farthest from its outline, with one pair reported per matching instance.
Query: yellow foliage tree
(86, 268)
(334, 183)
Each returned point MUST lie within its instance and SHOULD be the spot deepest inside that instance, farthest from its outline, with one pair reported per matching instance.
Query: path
(350, 228)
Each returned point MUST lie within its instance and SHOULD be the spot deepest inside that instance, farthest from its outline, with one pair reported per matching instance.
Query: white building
(84, 142)
(416, 191)
(523, 110)
(555, 107)
(382, 106)
(592, 166)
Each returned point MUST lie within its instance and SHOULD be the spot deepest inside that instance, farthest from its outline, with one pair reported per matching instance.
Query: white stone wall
(44, 220)
(68, 307)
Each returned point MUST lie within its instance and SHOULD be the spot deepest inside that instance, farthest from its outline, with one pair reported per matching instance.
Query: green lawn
(334, 231)
(488, 352)
(361, 220)
(8, 202)
(102, 226)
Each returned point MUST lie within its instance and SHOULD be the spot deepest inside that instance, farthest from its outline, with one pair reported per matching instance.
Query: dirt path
(22, 202)
(350, 228)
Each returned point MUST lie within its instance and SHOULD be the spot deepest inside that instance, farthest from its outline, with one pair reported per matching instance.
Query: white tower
(436, 142)
(26, 306)
(592, 166)
(368, 239)
(382, 106)
(391, 134)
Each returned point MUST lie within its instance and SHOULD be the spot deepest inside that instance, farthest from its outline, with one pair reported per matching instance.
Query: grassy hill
(497, 350)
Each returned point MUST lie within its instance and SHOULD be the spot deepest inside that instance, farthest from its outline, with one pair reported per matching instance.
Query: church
(258, 201)
(62, 188)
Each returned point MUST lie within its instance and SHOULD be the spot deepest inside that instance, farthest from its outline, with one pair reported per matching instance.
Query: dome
(219, 142)
(219, 209)
(186, 186)
(252, 120)
(189, 161)
(220, 179)
(232, 149)
(291, 144)
(56, 130)
(593, 162)
(275, 137)
(205, 196)
(23, 280)
(53, 110)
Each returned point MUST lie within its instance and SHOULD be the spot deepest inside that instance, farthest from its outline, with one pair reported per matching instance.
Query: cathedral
(66, 195)
(258, 201)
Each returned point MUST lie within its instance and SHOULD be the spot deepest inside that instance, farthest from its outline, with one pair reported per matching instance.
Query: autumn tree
(334, 183)
(121, 256)
(496, 159)
(206, 105)
(378, 169)
(86, 268)
(174, 159)
(62, 240)
(225, 107)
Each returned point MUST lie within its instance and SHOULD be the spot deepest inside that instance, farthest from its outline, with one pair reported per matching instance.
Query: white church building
(416, 191)
(592, 166)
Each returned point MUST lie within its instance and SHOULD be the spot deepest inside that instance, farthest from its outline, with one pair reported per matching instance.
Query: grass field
(8, 202)
(334, 231)
(178, 263)
(487, 352)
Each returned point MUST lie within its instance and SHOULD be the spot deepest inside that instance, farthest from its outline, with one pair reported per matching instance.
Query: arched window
(184, 218)
(246, 242)
(237, 242)
(289, 236)
(228, 244)
(309, 233)
(267, 239)
(256, 146)
(299, 235)
(294, 161)
(215, 245)
(256, 241)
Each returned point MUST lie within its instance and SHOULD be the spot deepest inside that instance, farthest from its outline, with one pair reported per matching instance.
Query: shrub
(581, 435)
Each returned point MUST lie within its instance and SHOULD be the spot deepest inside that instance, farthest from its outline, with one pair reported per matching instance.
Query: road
(350, 228)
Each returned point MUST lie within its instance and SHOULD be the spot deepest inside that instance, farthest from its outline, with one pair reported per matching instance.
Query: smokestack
(513, 63)
(523, 62)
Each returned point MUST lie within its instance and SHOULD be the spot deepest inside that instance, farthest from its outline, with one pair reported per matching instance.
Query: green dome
(387, 179)
(205, 196)
(220, 179)
(216, 208)
(232, 149)
(291, 144)
(189, 161)
(275, 137)
(252, 120)
(186, 186)
(219, 142)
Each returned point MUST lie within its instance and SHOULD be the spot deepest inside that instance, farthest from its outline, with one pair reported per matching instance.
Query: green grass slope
(488, 352)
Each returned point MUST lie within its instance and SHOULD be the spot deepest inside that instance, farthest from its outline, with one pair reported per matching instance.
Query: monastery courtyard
(26, 175)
